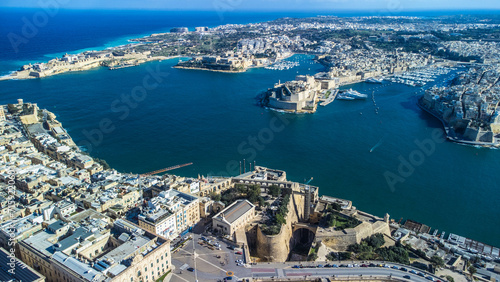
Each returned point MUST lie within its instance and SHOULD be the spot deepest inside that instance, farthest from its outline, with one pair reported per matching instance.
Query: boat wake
(376, 145)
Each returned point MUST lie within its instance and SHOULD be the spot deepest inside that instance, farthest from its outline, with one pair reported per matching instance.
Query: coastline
(206, 69)
(14, 75)
(452, 137)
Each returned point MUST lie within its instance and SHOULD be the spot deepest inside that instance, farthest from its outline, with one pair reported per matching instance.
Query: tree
(376, 240)
(274, 190)
(280, 219)
(336, 207)
(437, 261)
(472, 271)
(449, 278)
(215, 196)
(394, 254)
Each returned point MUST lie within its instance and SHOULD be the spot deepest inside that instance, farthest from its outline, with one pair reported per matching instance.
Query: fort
(303, 224)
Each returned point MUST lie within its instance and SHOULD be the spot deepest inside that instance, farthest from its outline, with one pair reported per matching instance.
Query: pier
(330, 98)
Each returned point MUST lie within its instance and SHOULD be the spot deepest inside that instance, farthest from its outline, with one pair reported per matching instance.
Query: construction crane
(164, 169)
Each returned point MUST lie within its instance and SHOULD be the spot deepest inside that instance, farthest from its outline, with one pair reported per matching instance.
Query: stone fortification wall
(340, 240)
(277, 247)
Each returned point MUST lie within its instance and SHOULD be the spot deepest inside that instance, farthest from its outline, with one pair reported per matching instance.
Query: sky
(263, 5)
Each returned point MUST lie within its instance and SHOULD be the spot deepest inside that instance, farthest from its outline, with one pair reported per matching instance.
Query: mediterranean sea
(212, 120)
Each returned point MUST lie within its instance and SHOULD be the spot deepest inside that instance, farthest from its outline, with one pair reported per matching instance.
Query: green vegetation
(366, 249)
(338, 256)
(394, 253)
(240, 191)
(215, 196)
(472, 271)
(163, 276)
(274, 190)
(280, 218)
(313, 253)
(340, 221)
(437, 261)
(449, 278)
(420, 253)
(371, 248)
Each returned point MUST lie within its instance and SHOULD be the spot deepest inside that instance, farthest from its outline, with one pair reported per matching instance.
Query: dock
(330, 98)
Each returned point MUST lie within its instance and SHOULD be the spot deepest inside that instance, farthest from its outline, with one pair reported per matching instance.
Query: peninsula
(469, 106)
(351, 47)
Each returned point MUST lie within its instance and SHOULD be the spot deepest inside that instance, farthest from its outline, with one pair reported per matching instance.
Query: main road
(213, 265)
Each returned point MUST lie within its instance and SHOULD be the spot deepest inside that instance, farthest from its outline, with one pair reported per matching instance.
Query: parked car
(413, 271)
(190, 269)
(407, 277)
(421, 274)
(296, 266)
(239, 253)
(429, 278)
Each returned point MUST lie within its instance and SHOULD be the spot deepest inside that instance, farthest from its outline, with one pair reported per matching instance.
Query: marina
(283, 65)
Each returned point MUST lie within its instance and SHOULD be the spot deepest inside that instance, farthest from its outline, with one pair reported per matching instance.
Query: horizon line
(341, 10)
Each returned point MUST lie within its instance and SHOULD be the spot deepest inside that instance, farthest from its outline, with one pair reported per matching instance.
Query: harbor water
(391, 160)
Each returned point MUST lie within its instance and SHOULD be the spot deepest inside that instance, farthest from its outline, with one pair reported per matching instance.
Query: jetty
(330, 98)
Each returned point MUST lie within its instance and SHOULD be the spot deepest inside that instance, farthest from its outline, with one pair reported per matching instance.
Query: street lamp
(194, 261)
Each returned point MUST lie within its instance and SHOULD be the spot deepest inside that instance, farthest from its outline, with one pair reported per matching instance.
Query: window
(139, 273)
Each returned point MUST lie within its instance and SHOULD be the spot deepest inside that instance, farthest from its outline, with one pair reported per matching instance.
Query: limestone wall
(277, 248)
(340, 240)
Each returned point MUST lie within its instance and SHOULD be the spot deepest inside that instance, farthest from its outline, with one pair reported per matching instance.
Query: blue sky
(264, 5)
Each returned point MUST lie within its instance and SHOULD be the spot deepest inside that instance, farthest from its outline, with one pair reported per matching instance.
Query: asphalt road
(208, 267)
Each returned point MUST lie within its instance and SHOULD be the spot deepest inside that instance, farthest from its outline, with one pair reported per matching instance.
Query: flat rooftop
(126, 249)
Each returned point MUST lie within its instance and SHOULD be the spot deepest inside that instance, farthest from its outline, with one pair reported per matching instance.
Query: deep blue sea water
(211, 118)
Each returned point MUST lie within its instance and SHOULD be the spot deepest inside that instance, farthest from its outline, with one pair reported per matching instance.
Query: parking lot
(208, 263)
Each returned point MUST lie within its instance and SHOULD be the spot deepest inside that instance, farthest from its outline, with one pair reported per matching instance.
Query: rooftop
(235, 211)
(22, 271)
